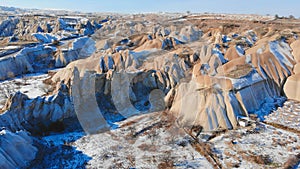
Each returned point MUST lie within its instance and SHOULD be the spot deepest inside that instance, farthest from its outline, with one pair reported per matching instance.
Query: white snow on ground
(146, 141)
(9, 47)
(244, 147)
(141, 143)
(32, 85)
(288, 115)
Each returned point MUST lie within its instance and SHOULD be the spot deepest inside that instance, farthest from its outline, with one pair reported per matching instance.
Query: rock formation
(291, 88)
(16, 149)
(223, 88)
(43, 58)
(37, 115)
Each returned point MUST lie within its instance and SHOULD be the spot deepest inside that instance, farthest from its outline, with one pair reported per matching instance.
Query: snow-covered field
(261, 147)
(145, 141)
(152, 141)
(32, 85)
(268, 144)
(288, 115)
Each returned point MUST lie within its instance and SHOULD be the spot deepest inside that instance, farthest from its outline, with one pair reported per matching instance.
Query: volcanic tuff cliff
(36, 44)
(248, 79)
(222, 87)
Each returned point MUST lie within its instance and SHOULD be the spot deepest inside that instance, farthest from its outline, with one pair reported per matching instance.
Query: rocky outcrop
(43, 58)
(296, 51)
(37, 115)
(27, 60)
(234, 52)
(223, 88)
(81, 48)
(24, 26)
(112, 96)
(217, 102)
(44, 37)
(7, 27)
(187, 34)
(174, 64)
(136, 85)
(153, 35)
(16, 149)
(44, 114)
(120, 89)
(244, 85)
(291, 87)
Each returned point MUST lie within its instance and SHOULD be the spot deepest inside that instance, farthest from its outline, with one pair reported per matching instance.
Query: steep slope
(37, 115)
(16, 149)
(219, 94)
(291, 88)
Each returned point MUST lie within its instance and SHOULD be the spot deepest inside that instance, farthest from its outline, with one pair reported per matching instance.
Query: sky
(272, 7)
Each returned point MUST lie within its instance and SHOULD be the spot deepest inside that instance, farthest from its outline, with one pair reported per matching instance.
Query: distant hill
(15, 11)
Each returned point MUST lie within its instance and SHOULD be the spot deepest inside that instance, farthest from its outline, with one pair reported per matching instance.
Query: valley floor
(155, 141)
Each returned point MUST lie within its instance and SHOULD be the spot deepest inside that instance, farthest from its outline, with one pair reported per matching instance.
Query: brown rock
(291, 87)
(231, 53)
(296, 50)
